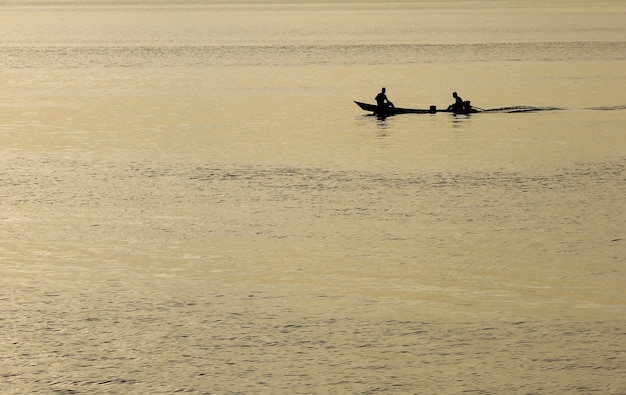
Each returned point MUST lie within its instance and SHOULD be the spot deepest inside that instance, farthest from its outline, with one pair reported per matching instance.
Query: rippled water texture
(191, 202)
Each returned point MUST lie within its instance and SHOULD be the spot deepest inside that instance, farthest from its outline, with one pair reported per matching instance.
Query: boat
(392, 110)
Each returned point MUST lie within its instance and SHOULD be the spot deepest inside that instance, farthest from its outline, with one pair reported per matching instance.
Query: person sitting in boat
(383, 102)
(459, 106)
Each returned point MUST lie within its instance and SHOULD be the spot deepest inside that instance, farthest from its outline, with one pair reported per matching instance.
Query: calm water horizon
(191, 201)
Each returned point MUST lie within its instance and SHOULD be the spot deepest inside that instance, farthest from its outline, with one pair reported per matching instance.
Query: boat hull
(387, 111)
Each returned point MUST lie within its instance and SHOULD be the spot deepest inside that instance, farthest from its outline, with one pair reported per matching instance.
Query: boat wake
(608, 108)
(539, 109)
(522, 109)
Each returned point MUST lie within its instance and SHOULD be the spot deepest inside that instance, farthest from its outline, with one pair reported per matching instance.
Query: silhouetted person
(383, 102)
(459, 106)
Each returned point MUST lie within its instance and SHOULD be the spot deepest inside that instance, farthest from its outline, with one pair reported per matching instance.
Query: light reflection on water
(24, 57)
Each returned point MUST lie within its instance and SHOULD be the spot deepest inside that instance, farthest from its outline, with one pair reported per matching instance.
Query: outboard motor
(467, 106)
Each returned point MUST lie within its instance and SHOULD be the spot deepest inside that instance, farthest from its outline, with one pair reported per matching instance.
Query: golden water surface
(190, 201)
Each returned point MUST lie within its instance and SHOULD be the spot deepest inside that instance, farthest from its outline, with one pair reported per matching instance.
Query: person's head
(454, 95)
(383, 90)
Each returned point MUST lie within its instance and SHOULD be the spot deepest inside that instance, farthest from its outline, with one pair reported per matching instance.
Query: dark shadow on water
(383, 124)
(460, 120)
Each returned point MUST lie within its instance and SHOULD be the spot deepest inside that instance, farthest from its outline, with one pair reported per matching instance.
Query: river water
(191, 202)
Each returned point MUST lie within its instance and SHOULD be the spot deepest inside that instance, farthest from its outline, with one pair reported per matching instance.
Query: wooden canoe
(399, 110)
